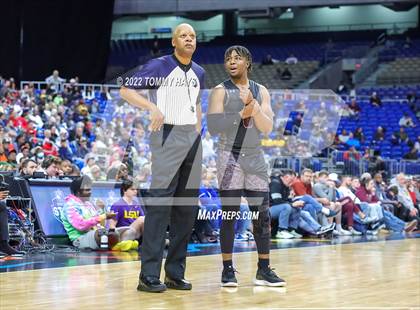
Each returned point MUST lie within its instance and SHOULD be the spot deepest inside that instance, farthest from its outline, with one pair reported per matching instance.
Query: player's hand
(4, 194)
(156, 118)
(246, 95)
(250, 110)
(110, 215)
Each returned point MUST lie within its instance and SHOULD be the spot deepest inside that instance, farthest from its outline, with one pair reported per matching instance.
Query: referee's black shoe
(267, 277)
(150, 284)
(178, 284)
(228, 277)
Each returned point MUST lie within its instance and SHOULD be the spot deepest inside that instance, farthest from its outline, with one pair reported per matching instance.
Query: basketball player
(239, 112)
(175, 112)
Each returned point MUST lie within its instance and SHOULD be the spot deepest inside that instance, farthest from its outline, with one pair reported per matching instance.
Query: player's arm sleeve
(218, 120)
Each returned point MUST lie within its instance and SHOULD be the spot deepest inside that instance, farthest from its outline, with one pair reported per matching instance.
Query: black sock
(263, 263)
(227, 264)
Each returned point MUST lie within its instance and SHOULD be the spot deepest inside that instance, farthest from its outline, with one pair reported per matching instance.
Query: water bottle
(104, 240)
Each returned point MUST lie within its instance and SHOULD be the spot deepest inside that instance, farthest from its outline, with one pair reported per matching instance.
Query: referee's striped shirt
(176, 87)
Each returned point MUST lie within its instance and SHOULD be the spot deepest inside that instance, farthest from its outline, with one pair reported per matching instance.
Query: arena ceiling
(147, 7)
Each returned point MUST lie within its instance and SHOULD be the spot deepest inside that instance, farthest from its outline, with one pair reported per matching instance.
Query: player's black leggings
(257, 201)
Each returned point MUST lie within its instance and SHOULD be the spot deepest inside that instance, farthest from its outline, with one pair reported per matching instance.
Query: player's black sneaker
(267, 277)
(228, 277)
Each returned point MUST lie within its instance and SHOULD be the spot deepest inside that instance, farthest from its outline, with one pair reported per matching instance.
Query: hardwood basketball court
(369, 275)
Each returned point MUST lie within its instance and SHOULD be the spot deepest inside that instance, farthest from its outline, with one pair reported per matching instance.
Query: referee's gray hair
(243, 52)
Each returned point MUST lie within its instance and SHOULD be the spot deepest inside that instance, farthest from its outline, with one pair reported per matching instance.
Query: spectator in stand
(65, 151)
(268, 60)
(3, 154)
(66, 167)
(406, 121)
(343, 136)
(375, 100)
(49, 148)
(96, 173)
(325, 188)
(11, 158)
(352, 208)
(376, 163)
(411, 187)
(354, 109)
(380, 191)
(400, 210)
(288, 212)
(81, 148)
(302, 189)
(366, 193)
(25, 152)
(51, 167)
(117, 172)
(291, 60)
(55, 80)
(359, 135)
(90, 161)
(286, 75)
(412, 154)
(379, 135)
(417, 144)
(399, 137)
(351, 159)
(403, 194)
(355, 184)
(27, 168)
(352, 141)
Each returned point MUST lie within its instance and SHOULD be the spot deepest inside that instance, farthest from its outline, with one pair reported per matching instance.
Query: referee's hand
(156, 118)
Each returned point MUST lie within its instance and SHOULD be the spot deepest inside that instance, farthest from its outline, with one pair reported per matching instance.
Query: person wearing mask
(82, 220)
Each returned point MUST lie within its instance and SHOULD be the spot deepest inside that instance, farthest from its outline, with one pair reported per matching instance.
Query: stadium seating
(266, 75)
(401, 71)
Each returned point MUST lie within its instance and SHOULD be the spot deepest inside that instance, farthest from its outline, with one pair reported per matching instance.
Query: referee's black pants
(176, 176)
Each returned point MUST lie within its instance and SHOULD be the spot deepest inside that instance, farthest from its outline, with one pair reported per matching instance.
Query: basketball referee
(174, 83)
